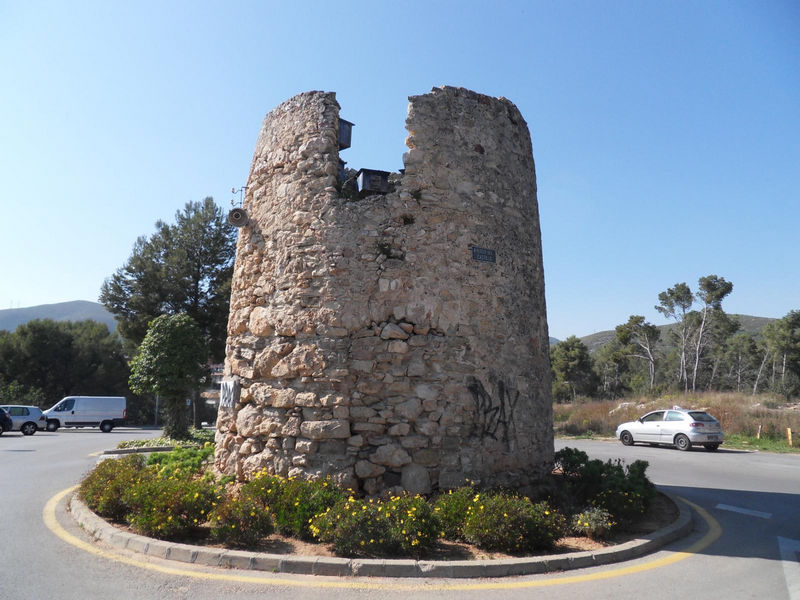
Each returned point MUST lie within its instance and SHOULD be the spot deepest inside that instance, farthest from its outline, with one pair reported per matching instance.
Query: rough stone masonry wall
(365, 340)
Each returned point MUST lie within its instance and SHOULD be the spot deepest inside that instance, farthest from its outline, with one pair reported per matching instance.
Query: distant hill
(78, 310)
(749, 324)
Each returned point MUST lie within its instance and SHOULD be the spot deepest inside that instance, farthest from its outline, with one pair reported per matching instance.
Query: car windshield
(701, 416)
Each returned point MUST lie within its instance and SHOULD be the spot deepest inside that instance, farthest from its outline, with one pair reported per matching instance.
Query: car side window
(656, 416)
(674, 416)
(66, 405)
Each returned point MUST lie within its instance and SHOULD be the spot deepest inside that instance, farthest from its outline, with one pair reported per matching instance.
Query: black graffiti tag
(497, 411)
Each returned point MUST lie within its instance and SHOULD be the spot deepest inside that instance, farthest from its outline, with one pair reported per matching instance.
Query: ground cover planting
(176, 496)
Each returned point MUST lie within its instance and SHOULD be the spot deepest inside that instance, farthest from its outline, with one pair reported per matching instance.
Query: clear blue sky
(666, 134)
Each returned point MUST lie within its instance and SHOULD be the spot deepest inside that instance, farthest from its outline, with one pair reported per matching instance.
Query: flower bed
(173, 496)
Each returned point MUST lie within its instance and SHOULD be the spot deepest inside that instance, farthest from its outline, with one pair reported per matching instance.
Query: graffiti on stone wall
(495, 408)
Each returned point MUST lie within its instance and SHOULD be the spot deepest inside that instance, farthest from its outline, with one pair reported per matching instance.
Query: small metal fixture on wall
(237, 216)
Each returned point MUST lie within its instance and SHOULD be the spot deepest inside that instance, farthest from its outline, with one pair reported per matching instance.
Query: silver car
(677, 427)
(27, 419)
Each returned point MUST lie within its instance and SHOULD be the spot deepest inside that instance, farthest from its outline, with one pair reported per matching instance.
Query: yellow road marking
(49, 516)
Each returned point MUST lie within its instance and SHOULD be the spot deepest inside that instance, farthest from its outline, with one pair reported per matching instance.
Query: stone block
(401, 429)
(391, 456)
(366, 469)
(259, 323)
(322, 430)
(392, 331)
(415, 479)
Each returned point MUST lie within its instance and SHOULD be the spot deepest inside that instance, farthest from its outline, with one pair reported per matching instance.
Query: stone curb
(345, 567)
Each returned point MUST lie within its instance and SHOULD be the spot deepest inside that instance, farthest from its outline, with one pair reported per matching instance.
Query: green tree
(741, 359)
(170, 363)
(721, 329)
(572, 370)
(639, 338)
(712, 291)
(674, 304)
(182, 268)
(16, 393)
(611, 363)
(49, 359)
(780, 345)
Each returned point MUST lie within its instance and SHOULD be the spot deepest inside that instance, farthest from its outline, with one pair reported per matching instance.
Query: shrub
(622, 505)
(240, 521)
(355, 528)
(625, 492)
(195, 437)
(594, 522)
(403, 525)
(294, 502)
(507, 523)
(413, 522)
(170, 507)
(263, 488)
(570, 461)
(451, 508)
(182, 460)
(102, 489)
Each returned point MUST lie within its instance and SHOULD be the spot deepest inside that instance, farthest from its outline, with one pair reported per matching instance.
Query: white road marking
(790, 556)
(745, 511)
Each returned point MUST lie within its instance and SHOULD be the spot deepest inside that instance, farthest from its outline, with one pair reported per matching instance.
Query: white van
(105, 412)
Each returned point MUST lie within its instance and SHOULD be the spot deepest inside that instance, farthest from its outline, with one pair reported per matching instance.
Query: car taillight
(696, 425)
(42, 418)
(124, 412)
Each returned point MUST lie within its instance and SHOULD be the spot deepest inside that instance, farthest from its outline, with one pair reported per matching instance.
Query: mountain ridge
(81, 310)
(75, 310)
(749, 324)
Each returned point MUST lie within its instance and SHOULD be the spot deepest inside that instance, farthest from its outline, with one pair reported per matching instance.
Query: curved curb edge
(100, 529)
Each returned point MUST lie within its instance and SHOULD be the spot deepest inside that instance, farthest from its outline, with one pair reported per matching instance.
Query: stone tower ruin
(398, 338)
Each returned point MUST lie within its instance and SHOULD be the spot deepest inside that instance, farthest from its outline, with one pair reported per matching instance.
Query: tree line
(704, 348)
(170, 301)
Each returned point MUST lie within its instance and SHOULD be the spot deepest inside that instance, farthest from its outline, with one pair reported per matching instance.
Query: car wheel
(682, 442)
(28, 428)
(626, 438)
(106, 426)
(711, 447)
(52, 425)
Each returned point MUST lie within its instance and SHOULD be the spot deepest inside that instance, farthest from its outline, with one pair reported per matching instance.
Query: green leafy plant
(414, 524)
(182, 460)
(170, 507)
(355, 528)
(103, 488)
(194, 437)
(570, 461)
(296, 501)
(594, 522)
(451, 508)
(625, 492)
(240, 521)
(508, 523)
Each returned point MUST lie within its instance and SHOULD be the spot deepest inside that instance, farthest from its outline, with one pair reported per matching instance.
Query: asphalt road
(745, 504)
